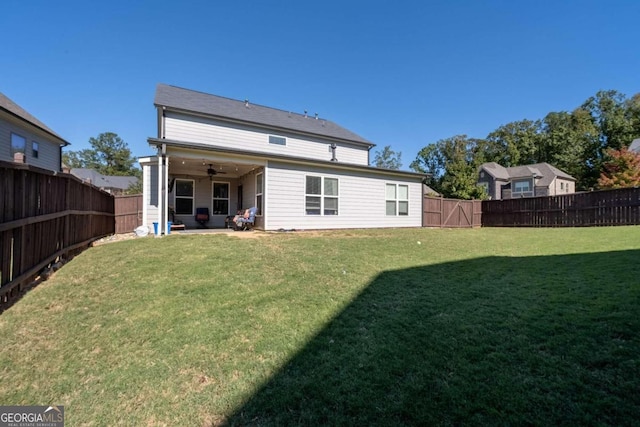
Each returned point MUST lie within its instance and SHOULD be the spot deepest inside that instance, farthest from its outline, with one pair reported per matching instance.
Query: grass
(364, 327)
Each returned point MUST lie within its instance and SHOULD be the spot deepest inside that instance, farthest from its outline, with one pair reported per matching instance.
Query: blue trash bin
(169, 224)
(155, 228)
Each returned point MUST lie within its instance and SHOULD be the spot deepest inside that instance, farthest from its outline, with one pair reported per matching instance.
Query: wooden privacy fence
(439, 212)
(128, 213)
(43, 217)
(595, 208)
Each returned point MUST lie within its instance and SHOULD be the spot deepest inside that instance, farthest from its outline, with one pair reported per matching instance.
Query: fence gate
(128, 213)
(440, 212)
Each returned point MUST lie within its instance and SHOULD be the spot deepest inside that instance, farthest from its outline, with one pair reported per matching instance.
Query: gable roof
(543, 171)
(103, 181)
(14, 109)
(225, 108)
(635, 145)
(495, 170)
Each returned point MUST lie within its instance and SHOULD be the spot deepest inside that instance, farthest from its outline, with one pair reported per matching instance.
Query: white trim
(193, 196)
(261, 209)
(321, 195)
(264, 194)
(228, 198)
(396, 199)
(279, 137)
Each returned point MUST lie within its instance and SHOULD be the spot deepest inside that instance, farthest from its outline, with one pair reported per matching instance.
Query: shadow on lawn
(534, 340)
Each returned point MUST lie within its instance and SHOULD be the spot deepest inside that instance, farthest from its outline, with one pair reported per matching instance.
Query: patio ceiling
(197, 167)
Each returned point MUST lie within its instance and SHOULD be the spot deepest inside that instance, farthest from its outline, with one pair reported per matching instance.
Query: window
(18, 144)
(277, 140)
(330, 196)
(184, 196)
(397, 200)
(35, 149)
(562, 185)
(221, 198)
(522, 186)
(259, 192)
(321, 196)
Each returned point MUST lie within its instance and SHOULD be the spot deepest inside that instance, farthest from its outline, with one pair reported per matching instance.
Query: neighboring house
(25, 139)
(300, 171)
(115, 185)
(635, 145)
(540, 179)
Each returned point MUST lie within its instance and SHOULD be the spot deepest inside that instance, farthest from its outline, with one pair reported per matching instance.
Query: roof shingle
(226, 108)
(13, 108)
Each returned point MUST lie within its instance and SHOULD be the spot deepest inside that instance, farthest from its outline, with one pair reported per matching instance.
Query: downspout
(369, 155)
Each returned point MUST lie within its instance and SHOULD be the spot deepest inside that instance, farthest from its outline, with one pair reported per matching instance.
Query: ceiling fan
(212, 172)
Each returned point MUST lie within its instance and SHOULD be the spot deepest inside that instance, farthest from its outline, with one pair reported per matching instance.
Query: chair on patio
(248, 220)
(202, 216)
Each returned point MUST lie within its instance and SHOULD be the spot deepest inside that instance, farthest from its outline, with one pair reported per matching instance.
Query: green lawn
(380, 327)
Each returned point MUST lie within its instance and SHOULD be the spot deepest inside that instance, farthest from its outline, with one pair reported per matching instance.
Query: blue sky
(399, 73)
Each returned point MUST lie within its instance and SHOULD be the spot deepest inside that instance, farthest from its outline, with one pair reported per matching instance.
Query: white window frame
(260, 194)
(192, 197)
(522, 193)
(23, 148)
(397, 200)
(277, 140)
(323, 196)
(35, 149)
(214, 198)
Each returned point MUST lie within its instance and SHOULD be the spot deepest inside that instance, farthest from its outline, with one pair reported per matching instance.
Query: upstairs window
(35, 149)
(277, 140)
(522, 186)
(18, 144)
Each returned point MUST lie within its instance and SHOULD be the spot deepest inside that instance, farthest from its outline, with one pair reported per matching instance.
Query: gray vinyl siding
(361, 200)
(182, 127)
(49, 150)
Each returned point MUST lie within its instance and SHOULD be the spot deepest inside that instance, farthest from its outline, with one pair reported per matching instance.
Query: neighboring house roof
(496, 171)
(635, 145)
(225, 108)
(544, 171)
(14, 109)
(103, 181)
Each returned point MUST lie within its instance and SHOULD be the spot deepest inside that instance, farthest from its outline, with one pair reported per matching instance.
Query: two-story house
(301, 171)
(540, 179)
(25, 139)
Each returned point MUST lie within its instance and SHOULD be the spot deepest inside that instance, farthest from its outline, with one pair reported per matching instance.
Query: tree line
(109, 155)
(582, 143)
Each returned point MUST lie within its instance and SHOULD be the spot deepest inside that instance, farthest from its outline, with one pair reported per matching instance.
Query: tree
(388, 159)
(614, 115)
(620, 170)
(453, 166)
(569, 141)
(516, 143)
(108, 155)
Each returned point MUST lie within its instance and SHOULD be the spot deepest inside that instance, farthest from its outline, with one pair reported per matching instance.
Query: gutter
(288, 159)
